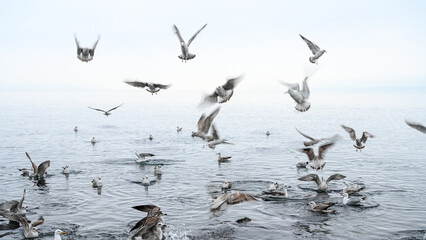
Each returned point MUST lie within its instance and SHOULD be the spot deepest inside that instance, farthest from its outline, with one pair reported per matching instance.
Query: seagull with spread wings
(184, 46)
(321, 182)
(30, 229)
(152, 87)
(106, 113)
(204, 124)
(317, 51)
(299, 96)
(317, 160)
(359, 142)
(314, 141)
(86, 54)
(39, 171)
(222, 93)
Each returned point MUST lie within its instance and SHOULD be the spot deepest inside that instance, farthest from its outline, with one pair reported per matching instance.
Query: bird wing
(210, 99)
(238, 197)
(79, 49)
(193, 37)
(22, 199)
(323, 149)
(9, 206)
(325, 205)
(162, 86)
(37, 222)
(232, 83)
(145, 208)
(97, 109)
(305, 89)
(16, 218)
(42, 167)
(350, 131)
(335, 177)
(137, 84)
(366, 135)
(146, 154)
(294, 86)
(182, 42)
(306, 136)
(416, 126)
(215, 133)
(314, 48)
(208, 121)
(32, 163)
(218, 203)
(311, 177)
(92, 51)
(309, 152)
(115, 108)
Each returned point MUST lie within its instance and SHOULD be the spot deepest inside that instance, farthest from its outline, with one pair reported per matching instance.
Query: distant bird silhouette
(359, 142)
(106, 113)
(417, 126)
(152, 87)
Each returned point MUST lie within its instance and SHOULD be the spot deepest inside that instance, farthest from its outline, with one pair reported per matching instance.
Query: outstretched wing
(37, 222)
(416, 126)
(42, 168)
(350, 131)
(210, 99)
(306, 136)
(79, 49)
(238, 197)
(32, 163)
(162, 86)
(182, 42)
(193, 37)
(137, 84)
(209, 119)
(323, 149)
(314, 48)
(97, 109)
(294, 86)
(146, 208)
(115, 108)
(366, 135)
(305, 89)
(309, 152)
(311, 177)
(92, 51)
(232, 83)
(215, 133)
(335, 177)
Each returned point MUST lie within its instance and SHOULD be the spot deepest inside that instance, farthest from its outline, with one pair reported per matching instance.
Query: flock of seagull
(150, 226)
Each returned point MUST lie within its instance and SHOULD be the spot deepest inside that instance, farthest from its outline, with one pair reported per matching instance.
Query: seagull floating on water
(141, 157)
(226, 185)
(226, 199)
(97, 183)
(275, 192)
(106, 113)
(150, 137)
(145, 181)
(273, 186)
(301, 164)
(93, 141)
(347, 189)
(314, 49)
(66, 170)
(178, 129)
(40, 171)
(222, 93)
(321, 183)
(417, 126)
(222, 159)
(359, 142)
(268, 133)
(353, 201)
(318, 160)
(86, 54)
(157, 170)
(300, 96)
(30, 229)
(58, 233)
(152, 87)
(322, 207)
(184, 46)
(75, 129)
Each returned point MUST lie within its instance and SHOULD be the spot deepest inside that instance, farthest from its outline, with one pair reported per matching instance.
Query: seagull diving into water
(224, 92)
(417, 126)
(358, 141)
(318, 160)
(86, 54)
(184, 46)
(106, 113)
(300, 96)
(152, 87)
(321, 183)
(315, 50)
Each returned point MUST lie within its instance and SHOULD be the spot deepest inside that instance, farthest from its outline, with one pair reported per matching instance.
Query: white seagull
(315, 50)
(353, 201)
(58, 233)
(300, 96)
(66, 170)
(222, 93)
(145, 181)
(97, 183)
(318, 160)
(359, 142)
(157, 170)
(184, 46)
(152, 87)
(86, 54)
(321, 183)
(214, 140)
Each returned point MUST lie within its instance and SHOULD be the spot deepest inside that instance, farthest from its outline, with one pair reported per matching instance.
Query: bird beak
(63, 232)
(342, 194)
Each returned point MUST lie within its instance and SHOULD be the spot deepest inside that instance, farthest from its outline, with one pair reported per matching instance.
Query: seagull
(322, 207)
(85, 54)
(145, 181)
(40, 171)
(204, 124)
(93, 141)
(75, 129)
(417, 126)
(178, 129)
(226, 185)
(226, 199)
(222, 159)
(106, 113)
(318, 161)
(349, 190)
(152, 87)
(14, 206)
(358, 141)
(149, 227)
(25, 171)
(321, 183)
(30, 229)
(268, 133)
(150, 137)
(276, 192)
(97, 183)
(157, 170)
(353, 201)
(301, 164)
(215, 140)
(315, 50)
(66, 170)
(184, 46)
(300, 96)
(224, 92)
(141, 157)
(58, 233)
(316, 140)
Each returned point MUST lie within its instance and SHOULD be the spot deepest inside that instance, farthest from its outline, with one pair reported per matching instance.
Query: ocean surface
(392, 165)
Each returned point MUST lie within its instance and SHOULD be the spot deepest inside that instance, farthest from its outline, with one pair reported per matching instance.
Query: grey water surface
(392, 165)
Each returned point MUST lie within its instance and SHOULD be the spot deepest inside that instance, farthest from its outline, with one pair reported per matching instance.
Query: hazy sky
(373, 44)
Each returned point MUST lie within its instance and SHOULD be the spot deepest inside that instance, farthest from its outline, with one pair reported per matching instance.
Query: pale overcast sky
(369, 43)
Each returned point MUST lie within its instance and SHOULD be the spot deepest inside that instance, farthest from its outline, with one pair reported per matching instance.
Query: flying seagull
(106, 113)
(315, 50)
(322, 207)
(226, 199)
(30, 229)
(359, 142)
(184, 46)
(204, 124)
(321, 183)
(86, 54)
(417, 126)
(40, 171)
(314, 141)
(141, 156)
(318, 160)
(152, 87)
(222, 93)
(300, 96)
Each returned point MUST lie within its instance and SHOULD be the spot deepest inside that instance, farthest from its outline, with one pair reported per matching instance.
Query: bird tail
(303, 107)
